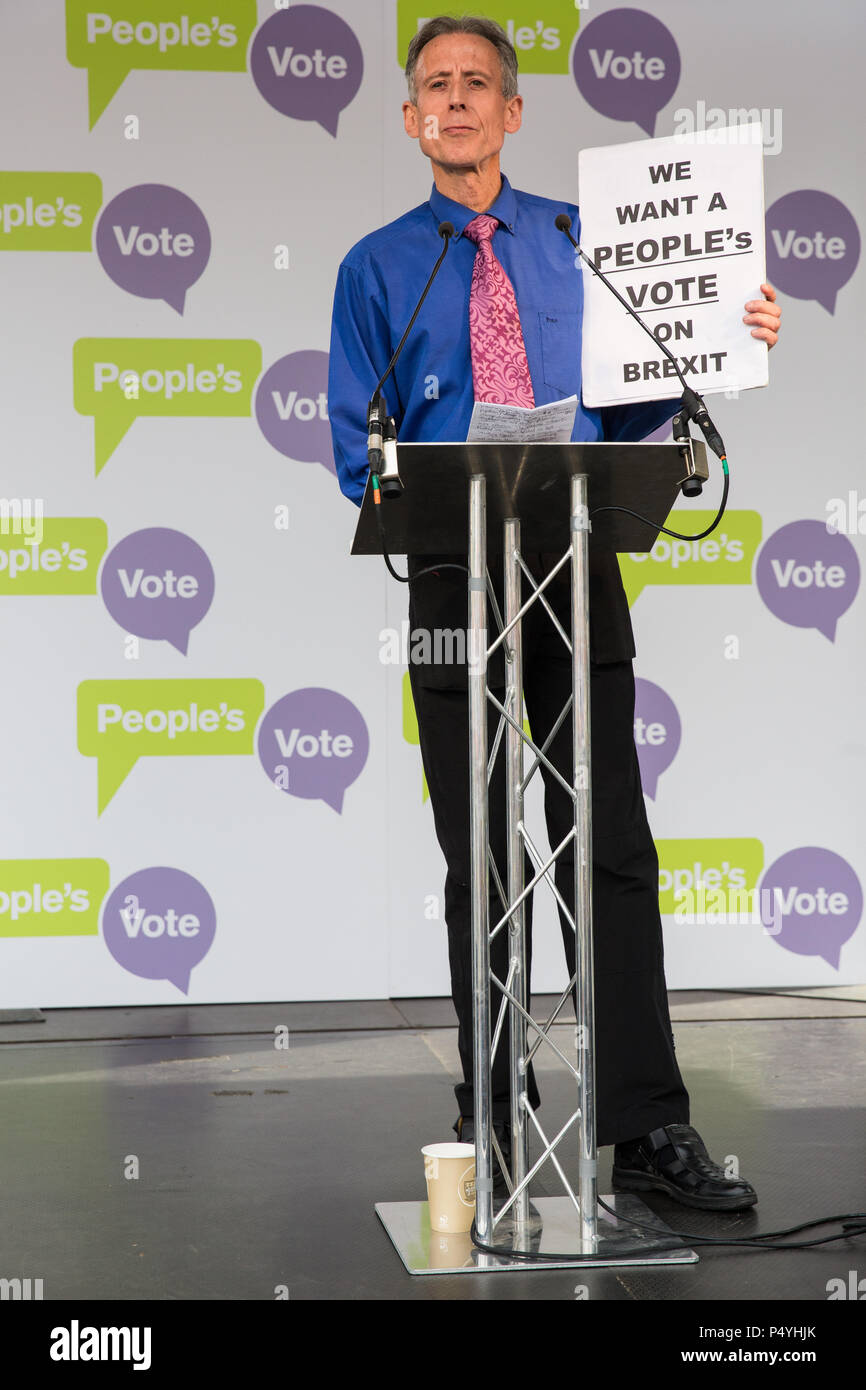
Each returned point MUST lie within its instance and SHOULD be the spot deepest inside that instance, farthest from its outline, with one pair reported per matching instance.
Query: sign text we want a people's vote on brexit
(678, 226)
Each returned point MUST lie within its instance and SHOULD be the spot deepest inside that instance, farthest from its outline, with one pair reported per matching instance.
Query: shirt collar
(446, 210)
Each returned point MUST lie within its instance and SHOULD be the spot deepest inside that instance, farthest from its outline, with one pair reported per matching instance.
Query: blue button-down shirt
(430, 393)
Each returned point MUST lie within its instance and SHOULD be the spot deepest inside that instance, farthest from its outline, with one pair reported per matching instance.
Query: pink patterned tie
(499, 367)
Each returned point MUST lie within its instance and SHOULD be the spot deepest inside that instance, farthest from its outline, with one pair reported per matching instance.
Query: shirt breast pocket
(560, 350)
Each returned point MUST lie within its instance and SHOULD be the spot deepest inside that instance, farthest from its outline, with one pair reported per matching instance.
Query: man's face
(461, 117)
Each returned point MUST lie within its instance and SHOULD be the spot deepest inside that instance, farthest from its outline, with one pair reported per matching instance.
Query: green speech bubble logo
(118, 379)
(65, 561)
(725, 557)
(162, 35)
(542, 44)
(686, 867)
(51, 897)
(120, 721)
(41, 211)
(410, 728)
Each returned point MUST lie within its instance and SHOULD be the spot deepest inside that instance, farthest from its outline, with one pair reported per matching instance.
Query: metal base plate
(553, 1229)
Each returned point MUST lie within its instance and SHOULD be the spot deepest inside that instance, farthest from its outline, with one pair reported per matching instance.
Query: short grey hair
(467, 24)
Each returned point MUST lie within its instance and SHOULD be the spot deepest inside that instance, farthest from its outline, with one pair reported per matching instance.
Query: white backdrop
(281, 894)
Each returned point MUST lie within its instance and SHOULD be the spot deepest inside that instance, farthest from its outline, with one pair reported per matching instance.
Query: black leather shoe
(674, 1159)
(465, 1130)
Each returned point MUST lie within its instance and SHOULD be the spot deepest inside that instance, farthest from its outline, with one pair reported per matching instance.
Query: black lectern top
(530, 482)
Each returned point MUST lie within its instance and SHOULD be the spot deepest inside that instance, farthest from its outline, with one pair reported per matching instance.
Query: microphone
(381, 431)
(693, 407)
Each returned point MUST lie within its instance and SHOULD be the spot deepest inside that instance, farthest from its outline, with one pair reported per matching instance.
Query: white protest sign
(677, 225)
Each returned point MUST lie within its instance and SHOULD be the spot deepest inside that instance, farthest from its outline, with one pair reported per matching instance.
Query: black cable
(856, 1227)
(403, 578)
(857, 1218)
(677, 535)
(537, 1255)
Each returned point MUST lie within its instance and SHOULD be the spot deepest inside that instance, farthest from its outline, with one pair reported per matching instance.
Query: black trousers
(638, 1082)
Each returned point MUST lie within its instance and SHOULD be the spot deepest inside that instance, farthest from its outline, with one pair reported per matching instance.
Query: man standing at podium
(502, 323)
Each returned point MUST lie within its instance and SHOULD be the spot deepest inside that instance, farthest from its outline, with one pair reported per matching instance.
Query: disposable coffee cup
(450, 1173)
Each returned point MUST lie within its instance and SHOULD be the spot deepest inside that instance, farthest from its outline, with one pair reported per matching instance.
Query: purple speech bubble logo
(817, 897)
(657, 732)
(627, 66)
(313, 744)
(813, 246)
(158, 924)
(663, 434)
(808, 576)
(158, 584)
(308, 64)
(292, 408)
(153, 241)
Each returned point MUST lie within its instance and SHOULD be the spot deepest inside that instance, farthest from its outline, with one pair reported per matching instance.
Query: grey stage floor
(258, 1167)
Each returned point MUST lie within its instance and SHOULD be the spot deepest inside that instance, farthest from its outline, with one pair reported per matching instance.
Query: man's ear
(513, 115)
(410, 119)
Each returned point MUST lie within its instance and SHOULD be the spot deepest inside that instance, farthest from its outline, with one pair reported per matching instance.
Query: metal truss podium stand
(485, 500)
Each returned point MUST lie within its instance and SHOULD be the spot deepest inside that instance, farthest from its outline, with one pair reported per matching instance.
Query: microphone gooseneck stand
(382, 431)
(692, 407)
